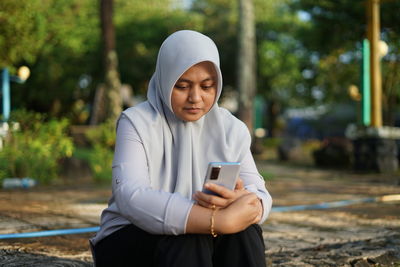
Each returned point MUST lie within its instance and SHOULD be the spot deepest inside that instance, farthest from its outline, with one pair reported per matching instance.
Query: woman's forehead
(201, 71)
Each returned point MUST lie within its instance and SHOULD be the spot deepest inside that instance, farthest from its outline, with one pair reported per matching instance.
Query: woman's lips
(192, 110)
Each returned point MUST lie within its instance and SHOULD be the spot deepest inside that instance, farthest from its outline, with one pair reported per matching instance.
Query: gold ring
(213, 206)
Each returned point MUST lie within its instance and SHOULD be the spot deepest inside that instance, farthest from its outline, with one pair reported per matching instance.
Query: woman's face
(194, 93)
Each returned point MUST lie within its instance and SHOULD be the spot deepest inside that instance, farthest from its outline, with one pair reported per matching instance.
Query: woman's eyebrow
(208, 79)
(183, 80)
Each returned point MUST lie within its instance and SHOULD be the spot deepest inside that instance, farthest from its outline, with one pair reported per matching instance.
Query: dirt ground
(366, 234)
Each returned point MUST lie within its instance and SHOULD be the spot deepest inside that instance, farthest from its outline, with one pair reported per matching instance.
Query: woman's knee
(184, 250)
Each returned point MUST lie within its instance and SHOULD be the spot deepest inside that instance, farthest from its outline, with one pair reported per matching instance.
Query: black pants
(131, 246)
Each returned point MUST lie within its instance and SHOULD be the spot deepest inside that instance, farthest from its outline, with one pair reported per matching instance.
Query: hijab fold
(177, 151)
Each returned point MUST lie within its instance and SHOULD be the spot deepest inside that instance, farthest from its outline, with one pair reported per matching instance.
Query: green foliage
(333, 41)
(67, 46)
(100, 161)
(21, 31)
(279, 68)
(335, 23)
(103, 134)
(220, 23)
(102, 139)
(272, 142)
(36, 148)
(141, 27)
(32, 28)
(59, 41)
(300, 61)
(268, 176)
(281, 56)
(99, 158)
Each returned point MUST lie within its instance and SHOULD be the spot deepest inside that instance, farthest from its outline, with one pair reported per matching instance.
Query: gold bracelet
(212, 223)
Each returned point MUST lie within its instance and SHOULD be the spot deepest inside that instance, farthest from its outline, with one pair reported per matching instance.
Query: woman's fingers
(204, 204)
(207, 200)
(220, 190)
(239, 184)
(223, 198)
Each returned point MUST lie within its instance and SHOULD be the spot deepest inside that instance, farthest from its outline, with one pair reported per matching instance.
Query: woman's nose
(195, 94)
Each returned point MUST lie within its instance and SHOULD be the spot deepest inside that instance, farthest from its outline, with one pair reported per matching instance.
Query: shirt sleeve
(155, 211)
(254, 182)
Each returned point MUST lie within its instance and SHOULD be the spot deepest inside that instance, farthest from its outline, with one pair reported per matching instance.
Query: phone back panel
(228, 174)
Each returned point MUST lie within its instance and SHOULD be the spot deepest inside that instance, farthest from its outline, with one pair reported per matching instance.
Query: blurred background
(293, 71)
(317, 82)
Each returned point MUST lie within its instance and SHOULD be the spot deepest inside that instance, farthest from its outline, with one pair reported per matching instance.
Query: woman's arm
(155, 211)
(250, 181)
(160, 212)
(236, 217)
(255, 183)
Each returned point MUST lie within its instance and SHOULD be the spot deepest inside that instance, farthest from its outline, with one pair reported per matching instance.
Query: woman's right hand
(240, 214)
(224, 195)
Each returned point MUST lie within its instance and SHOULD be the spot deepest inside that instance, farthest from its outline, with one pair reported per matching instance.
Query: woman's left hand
(225, 196)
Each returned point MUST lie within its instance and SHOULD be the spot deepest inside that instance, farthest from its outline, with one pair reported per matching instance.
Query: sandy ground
(365, 234)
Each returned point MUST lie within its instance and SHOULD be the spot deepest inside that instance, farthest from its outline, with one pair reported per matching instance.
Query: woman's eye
(179, 86)
(207, 86)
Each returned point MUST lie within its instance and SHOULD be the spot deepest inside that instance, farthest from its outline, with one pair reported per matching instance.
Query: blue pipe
(51, 233)
(324, 205)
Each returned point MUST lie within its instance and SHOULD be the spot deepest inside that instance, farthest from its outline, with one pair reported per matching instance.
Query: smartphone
(222, 173)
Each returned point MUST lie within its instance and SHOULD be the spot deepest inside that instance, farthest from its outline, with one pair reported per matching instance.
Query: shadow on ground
(13, 258)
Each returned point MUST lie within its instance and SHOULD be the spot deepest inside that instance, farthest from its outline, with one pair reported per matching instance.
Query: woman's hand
(236, 210)
(245, 210)
(240, 214)
(225, 198)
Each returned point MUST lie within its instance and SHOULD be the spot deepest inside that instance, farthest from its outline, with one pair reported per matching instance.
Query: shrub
(36, 148)
(102, 139)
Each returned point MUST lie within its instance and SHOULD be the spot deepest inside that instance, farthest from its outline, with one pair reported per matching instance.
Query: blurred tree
(58, 40)
(281, 61)
(307, 50)
(141, 28)
(22, 32)
(334, 38)
(112, 95)
(220, 23)
(280, 56)
(246, 64)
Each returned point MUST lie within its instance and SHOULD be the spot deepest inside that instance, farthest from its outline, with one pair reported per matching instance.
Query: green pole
(366, 85)
(258, 108)
(5, 88)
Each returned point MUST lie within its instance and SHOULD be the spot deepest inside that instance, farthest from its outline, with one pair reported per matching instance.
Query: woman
(157, 215)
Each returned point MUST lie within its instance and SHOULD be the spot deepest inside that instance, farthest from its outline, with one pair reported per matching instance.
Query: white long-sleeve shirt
(155, 211)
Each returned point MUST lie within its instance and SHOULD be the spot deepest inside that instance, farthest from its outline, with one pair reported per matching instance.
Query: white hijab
(177, 151)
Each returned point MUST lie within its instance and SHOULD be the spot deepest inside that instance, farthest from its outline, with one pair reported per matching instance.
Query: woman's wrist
(222, 223)
(217, 222)
(212, 222)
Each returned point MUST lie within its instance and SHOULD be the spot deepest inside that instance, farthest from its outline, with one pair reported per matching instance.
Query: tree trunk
(390, 94)
(246, 69)
(272, 113)
(112, 94)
